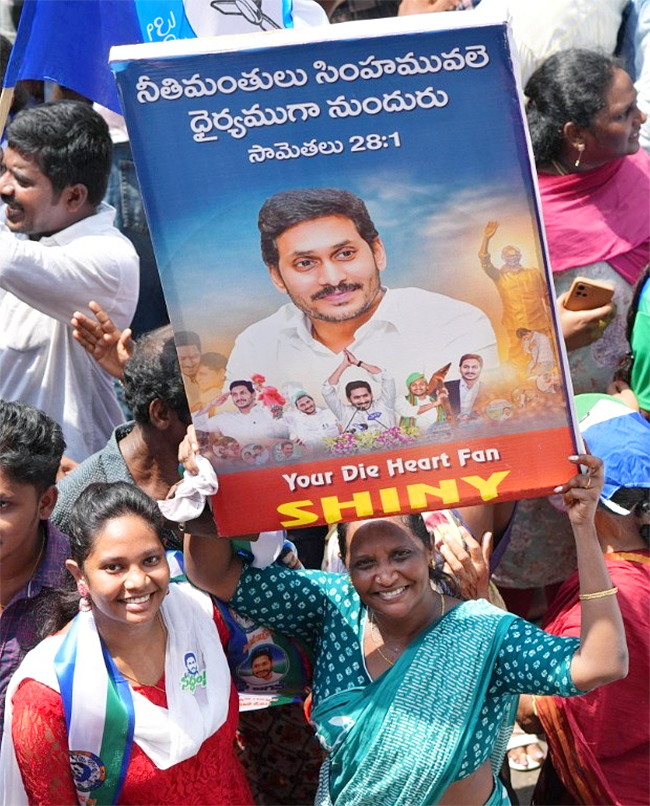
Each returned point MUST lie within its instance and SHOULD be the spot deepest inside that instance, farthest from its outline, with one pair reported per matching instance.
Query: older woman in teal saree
(435, 716)
(413, 690)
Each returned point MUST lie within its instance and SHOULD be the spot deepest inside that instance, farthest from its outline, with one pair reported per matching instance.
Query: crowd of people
(127, 637)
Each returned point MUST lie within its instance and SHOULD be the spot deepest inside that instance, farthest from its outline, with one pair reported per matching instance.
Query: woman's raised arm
(602, 656)
(211, 564)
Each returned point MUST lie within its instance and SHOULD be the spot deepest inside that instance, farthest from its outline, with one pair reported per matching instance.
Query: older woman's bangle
(598, 595)
(533, 704)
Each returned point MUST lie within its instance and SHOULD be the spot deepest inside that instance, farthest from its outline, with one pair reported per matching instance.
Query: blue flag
(68, 41)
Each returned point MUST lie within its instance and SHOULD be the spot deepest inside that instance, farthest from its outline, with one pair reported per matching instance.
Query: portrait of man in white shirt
(250, 420)
(324, 252)
(308, 424)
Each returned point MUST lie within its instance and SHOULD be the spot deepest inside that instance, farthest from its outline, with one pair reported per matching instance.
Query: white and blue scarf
(104, 716)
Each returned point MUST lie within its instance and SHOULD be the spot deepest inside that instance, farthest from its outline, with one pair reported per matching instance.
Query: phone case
(586, 294)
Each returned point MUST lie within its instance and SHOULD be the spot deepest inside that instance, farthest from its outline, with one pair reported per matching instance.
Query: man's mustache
(341, 288)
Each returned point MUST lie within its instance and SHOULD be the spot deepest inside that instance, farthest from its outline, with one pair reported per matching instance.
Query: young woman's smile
(126, 572)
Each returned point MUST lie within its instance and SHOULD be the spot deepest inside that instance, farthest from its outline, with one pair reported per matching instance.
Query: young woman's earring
(84, 601)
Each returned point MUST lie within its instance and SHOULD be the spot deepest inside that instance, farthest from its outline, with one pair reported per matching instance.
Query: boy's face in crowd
(22, 507)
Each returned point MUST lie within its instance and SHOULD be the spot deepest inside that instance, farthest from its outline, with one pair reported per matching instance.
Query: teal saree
(400, 740)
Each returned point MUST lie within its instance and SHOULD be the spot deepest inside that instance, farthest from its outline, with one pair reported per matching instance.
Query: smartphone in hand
(586, 294)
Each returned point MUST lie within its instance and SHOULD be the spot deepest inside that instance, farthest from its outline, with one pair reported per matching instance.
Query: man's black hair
(31, 445)
(69, 142)
(262, 652)
(467, 356)
(350, 387)
(153, 373)
(186, 338)
(247, 384)
(292, 207)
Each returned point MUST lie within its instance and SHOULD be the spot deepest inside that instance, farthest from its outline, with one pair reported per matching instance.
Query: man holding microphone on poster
(363, 412)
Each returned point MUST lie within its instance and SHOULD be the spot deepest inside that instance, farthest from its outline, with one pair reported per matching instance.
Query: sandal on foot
(523, 740)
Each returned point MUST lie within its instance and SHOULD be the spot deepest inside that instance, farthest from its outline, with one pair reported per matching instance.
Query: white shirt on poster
(405, 409)
(468, 395)
(311, 428)
(378, 417)
(257, 425)
(411, 330)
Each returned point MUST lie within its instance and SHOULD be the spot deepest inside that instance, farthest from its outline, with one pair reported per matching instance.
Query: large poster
(348, 234)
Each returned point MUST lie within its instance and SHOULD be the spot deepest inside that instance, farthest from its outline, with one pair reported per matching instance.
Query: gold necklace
(374, 641)
(135, 680)
(397, 651)
(142, 685)
(41, 532)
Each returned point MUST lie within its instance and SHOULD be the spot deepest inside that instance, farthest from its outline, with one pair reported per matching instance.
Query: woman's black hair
(637, 501)
(101, 502)
(98, 503)
(418, 528)
(569, 86)
(623, 371)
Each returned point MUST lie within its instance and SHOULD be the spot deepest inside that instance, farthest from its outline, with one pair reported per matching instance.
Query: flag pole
(6, 99)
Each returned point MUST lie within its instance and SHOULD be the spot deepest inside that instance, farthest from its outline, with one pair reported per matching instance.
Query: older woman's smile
(389, 568)
(391, 594)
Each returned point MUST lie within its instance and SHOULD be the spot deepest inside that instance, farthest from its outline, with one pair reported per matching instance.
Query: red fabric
(600, 743)
(603, 214)
(213, 776)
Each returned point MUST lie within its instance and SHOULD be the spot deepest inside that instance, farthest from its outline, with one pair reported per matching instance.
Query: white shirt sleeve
(278, 427)
(331, 397)
(387, 394)
(57, 280)
(404, 409)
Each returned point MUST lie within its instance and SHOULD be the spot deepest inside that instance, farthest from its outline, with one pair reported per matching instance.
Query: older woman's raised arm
(211, 565)
(602, 656)
(210, 562)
